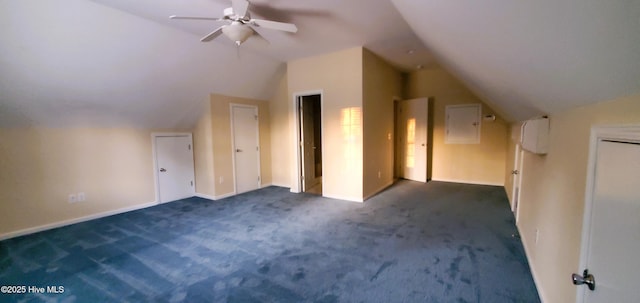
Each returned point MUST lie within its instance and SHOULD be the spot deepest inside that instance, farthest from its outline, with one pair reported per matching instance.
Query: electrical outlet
(537, 236)
(221, 180)
(81, 197)
(379, 175)
(72, 198)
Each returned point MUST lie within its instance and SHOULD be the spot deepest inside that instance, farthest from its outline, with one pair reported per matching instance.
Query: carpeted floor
(434, 242)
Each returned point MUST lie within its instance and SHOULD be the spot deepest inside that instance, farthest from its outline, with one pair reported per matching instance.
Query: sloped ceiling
(534, 57)
(124, 63)
(77, 63)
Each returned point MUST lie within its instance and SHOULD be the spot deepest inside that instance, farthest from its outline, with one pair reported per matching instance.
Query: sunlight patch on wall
(411, 143)
(351, 124)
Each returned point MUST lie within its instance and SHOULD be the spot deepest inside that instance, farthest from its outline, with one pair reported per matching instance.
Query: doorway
(174, 166)
(245, 147)
(309, 108)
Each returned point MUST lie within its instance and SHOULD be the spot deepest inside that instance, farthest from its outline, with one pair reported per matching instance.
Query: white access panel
(463, 124)
(535, 135)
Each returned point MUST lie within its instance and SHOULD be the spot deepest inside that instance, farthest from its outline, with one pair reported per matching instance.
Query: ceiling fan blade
(212, 35)
(240, 7)
(194, 18)
(259, 38)
(281, 26)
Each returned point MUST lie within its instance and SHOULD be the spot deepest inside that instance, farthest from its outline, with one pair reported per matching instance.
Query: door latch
(586, 278)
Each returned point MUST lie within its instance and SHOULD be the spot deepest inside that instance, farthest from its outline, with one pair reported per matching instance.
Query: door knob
(238, 150)
(586, 278)
(163, 170)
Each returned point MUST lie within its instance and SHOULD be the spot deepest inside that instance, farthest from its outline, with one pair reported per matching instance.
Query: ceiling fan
(240, 24)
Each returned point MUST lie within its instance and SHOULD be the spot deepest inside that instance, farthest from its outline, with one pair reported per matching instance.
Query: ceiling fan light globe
(237, 32)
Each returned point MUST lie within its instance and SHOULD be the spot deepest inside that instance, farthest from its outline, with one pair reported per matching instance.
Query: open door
(310, 143)
(412, 133)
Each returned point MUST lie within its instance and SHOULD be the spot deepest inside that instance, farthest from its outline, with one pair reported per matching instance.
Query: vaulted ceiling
(124, 63)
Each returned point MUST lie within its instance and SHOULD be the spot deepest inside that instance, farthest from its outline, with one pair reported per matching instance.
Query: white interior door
(174, 161)
(246, 147)
(413, 141)
(613, 225)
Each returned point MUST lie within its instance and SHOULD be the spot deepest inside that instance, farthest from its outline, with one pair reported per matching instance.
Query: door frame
(296, 184)
(625, 133)
(233, 143)
(518, 165)
(154, 155)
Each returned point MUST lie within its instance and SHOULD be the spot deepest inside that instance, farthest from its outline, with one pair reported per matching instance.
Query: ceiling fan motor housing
(231, 15)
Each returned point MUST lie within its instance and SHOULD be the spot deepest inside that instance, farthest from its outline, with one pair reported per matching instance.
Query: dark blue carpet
(435, 242)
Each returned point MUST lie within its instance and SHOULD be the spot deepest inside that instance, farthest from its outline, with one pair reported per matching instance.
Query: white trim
(227, 195)
(154, 156)
(520, 175)
(205, 196)
(263, 185)
(379, 190)
(215, 198)
(233, 143)
(281, 185)
(468, 182)
(296, 185)
(53, 225)
(598, 133)
(532, 268)
(343, 198)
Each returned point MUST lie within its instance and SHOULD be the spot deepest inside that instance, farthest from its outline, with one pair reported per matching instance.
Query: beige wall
(203, 152)
(40, 167)
(482, 163)
(282, 159)
(553, 193)
(381, 83)
(339, 76)
(221, 151)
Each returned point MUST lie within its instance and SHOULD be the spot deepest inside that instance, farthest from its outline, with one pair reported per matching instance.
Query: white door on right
(613, 238)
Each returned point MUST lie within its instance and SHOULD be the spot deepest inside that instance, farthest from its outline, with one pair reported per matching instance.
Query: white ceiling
(532, 57)
(124, 63)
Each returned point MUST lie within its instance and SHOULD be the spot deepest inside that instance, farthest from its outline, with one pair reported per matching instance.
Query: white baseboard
(53, 225)
(281, 185)
(214, 198)
(205, 196)
(350, 199)
(227, 195)
(534, 274)
(263, 185)
(380, 189)
(468, 182)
